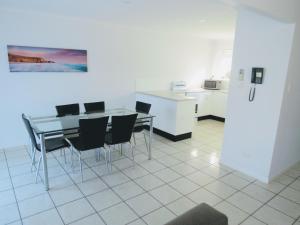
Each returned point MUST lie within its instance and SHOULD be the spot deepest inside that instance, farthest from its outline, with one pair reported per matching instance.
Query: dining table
(51, 126)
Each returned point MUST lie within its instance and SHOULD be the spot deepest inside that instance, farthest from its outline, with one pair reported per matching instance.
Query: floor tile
(204, 196)
(184, 186)
(128, 190)
(244, 202)
(88, 174)
(296, 185)
(291, 194)
(90, 220)
(35, 205)
(220, 189)
(92, 186)
(123, 163)
(200, 178)
(168, 160)
(274, 187)
(181, 206)
(49, 217)
(103, 199)
(258, 193)
(75, 210)
(286, 206)
(165, 194)
(9, 213)
(135, 172)
(119, 214)
(115, 179)
(64, 195)
(149, 182)
(138, 222)
(272, 216)
(5, 184)
(284, 179)
(159, 217)
(183, 169)
(167, 175)
(152, 165)
(234, 181)
(235, 215)
(29, 191)
(215, 171)
(7, 197)
(252, 221)
(198, 163)
(139, 206)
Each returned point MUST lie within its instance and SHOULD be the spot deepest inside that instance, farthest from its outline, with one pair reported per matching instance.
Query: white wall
(250, 129)
(117, 57)
(287, 145)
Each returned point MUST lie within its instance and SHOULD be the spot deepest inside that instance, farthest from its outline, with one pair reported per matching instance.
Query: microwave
(212, 84)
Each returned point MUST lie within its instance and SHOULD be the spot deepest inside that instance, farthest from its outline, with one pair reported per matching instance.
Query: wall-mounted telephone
(257, 75)
(256, 78)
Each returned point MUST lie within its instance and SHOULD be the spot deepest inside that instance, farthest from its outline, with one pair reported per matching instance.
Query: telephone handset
(256, 78)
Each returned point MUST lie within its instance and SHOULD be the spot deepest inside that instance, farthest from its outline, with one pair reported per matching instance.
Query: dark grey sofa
(202, 214)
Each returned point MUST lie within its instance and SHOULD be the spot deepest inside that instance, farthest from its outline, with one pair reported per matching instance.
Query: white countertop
(199, 90)
(168, 95)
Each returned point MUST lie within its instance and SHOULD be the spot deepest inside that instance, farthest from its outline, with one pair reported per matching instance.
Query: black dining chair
(94, 107)
(65, 110)
(120, 133)
(50, 144)
(141, 107)
(91, 136)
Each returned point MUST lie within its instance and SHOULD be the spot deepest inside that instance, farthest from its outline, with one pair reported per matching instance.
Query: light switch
(241, 75)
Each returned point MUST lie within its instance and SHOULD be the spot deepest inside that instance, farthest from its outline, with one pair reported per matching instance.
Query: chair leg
(132, 153)
(109, 158)
(65, 158)
(33, 159)
(146, 142)
(80, 162)
(121, 149)
(134, 138)
(106, 160)
(38, 169)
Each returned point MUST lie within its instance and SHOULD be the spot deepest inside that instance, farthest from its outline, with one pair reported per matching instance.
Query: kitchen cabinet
(210, 102)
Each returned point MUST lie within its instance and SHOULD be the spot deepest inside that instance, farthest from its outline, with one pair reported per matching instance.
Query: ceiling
(206, 18)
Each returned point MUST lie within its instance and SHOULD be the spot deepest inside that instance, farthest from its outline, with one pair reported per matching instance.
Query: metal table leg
(150, 138)
(44, 159)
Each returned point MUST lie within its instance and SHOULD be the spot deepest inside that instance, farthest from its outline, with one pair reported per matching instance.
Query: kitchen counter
(199, 90)
(168, 95)
(174, 113)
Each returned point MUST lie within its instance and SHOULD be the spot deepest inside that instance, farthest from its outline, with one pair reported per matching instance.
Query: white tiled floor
(180, 176)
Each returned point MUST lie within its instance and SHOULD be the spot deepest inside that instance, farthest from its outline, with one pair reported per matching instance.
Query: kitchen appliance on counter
(179, 86)
(212, 84)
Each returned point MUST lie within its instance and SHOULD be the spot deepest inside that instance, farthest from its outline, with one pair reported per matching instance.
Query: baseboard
(211, 117)
(171, 136)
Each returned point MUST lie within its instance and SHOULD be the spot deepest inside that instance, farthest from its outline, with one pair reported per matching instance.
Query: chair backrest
(94, 107)
(122, 127)
(30, 131)
(142, 107)
(70, 109)
(92, 132)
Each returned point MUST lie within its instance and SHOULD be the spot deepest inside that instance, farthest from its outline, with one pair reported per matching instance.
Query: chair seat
(54, 144)
(75, 141)
(138, 129)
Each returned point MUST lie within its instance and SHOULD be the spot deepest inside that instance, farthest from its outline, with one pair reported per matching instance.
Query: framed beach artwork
(39, 59)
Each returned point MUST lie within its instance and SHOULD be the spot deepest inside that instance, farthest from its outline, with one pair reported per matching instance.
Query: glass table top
(52, 124)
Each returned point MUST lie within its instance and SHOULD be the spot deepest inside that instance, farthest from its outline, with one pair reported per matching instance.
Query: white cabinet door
(203, 101)
(219, 102)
